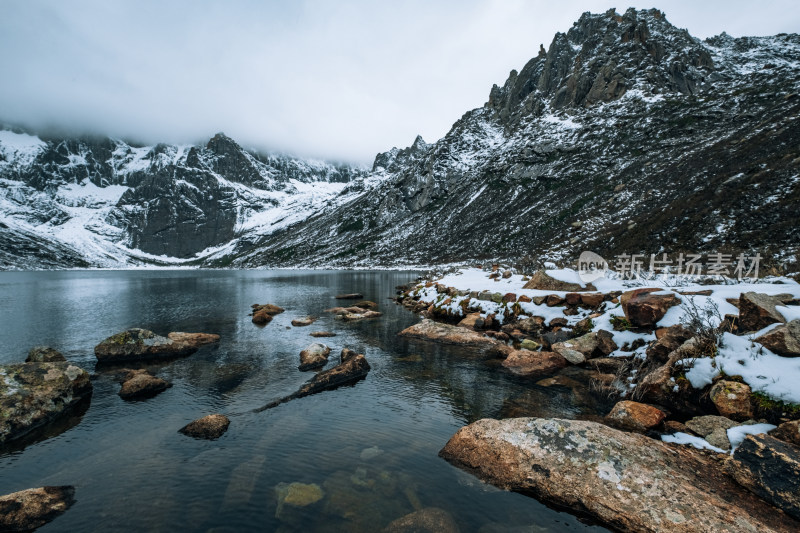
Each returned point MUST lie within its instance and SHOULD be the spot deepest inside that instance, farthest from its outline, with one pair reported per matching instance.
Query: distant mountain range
(627, 135)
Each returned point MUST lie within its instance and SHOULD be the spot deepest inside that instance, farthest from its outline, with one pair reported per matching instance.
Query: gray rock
(44, 354)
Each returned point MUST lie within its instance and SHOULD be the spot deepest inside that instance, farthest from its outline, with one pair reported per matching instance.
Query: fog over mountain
(334, 80)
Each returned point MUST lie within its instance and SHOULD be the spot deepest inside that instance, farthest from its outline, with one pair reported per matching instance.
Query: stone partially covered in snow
(783, 340)
(645, 307)
(447, 334)
(770, 468)
(757, 311)
(29, 509)
(635, 416)
(542, 281)
(626, 481)
(35, 394)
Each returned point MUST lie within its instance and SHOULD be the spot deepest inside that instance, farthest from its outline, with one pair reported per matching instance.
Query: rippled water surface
(372, 447)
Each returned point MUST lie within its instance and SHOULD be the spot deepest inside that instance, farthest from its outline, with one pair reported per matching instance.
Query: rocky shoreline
(684, 447)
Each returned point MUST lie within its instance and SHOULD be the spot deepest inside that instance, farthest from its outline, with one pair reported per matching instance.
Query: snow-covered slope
(626, 135)
(106, 203)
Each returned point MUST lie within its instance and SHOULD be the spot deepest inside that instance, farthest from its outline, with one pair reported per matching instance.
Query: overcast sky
(330, 79)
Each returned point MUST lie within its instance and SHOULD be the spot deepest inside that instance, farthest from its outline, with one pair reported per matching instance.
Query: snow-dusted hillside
(106, 203)
(626, 135)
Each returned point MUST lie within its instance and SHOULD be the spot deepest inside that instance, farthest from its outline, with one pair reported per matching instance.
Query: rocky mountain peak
(601, 58)
(396, 158)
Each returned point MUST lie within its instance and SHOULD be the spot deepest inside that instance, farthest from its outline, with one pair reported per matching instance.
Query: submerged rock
(770, 468)
(447, 334)
(35, 394)
(208, 427)
(137, 344)
(350, 296)
(345, 373)
(44, 354)
(29, 509)
(305, 321)
(140, 384)
(427, 520)
(314, 355)
(626, 481)
(296, 495)
(353, 313)
(322, 334)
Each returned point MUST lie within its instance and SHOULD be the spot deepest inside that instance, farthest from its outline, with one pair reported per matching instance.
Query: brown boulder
(635, 416)
(262, 314)
(353, 313)
(524, 299)
(554, 300)
(543, 282)
(209, 427)
(732, 400)
(783, 340)
(572, 298)
(645, 307)
(261, 318)
(29, 509)
(592, 299)
(509, 297)
(142, 385)
(527, 362)
(315, 355)
(446, 334)
(623, 480)
(472, 320)
(770, 468)
(788, 432)
(757, 311)
(668, 340)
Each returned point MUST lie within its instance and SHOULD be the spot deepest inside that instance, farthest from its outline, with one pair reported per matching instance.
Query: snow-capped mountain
(104, 202)
(626, 135)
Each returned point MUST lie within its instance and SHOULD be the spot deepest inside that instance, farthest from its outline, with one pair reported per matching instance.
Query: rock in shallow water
(29, 509)
(208, 427)
(138, 344)
(34, 394)
(527, 362)
(314, 355)
(427, 520)
(140, 384)
(624, 480)
(44, 354)
(447, 334)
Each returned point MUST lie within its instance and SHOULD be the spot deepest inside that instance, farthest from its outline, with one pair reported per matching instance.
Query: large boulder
(209, 427)
(623, 480)
(592, 344)
(527, 362)
(635, 416)
(447, 334)
(29, 509)
(667, 340)
(138, 344)
(315, 355)
(544, 282)
(769, 468)
(645, 307)
(426, 520)
(44, 354)
(35, 394)
(732, 399)
(783, 340)
(757, 311)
